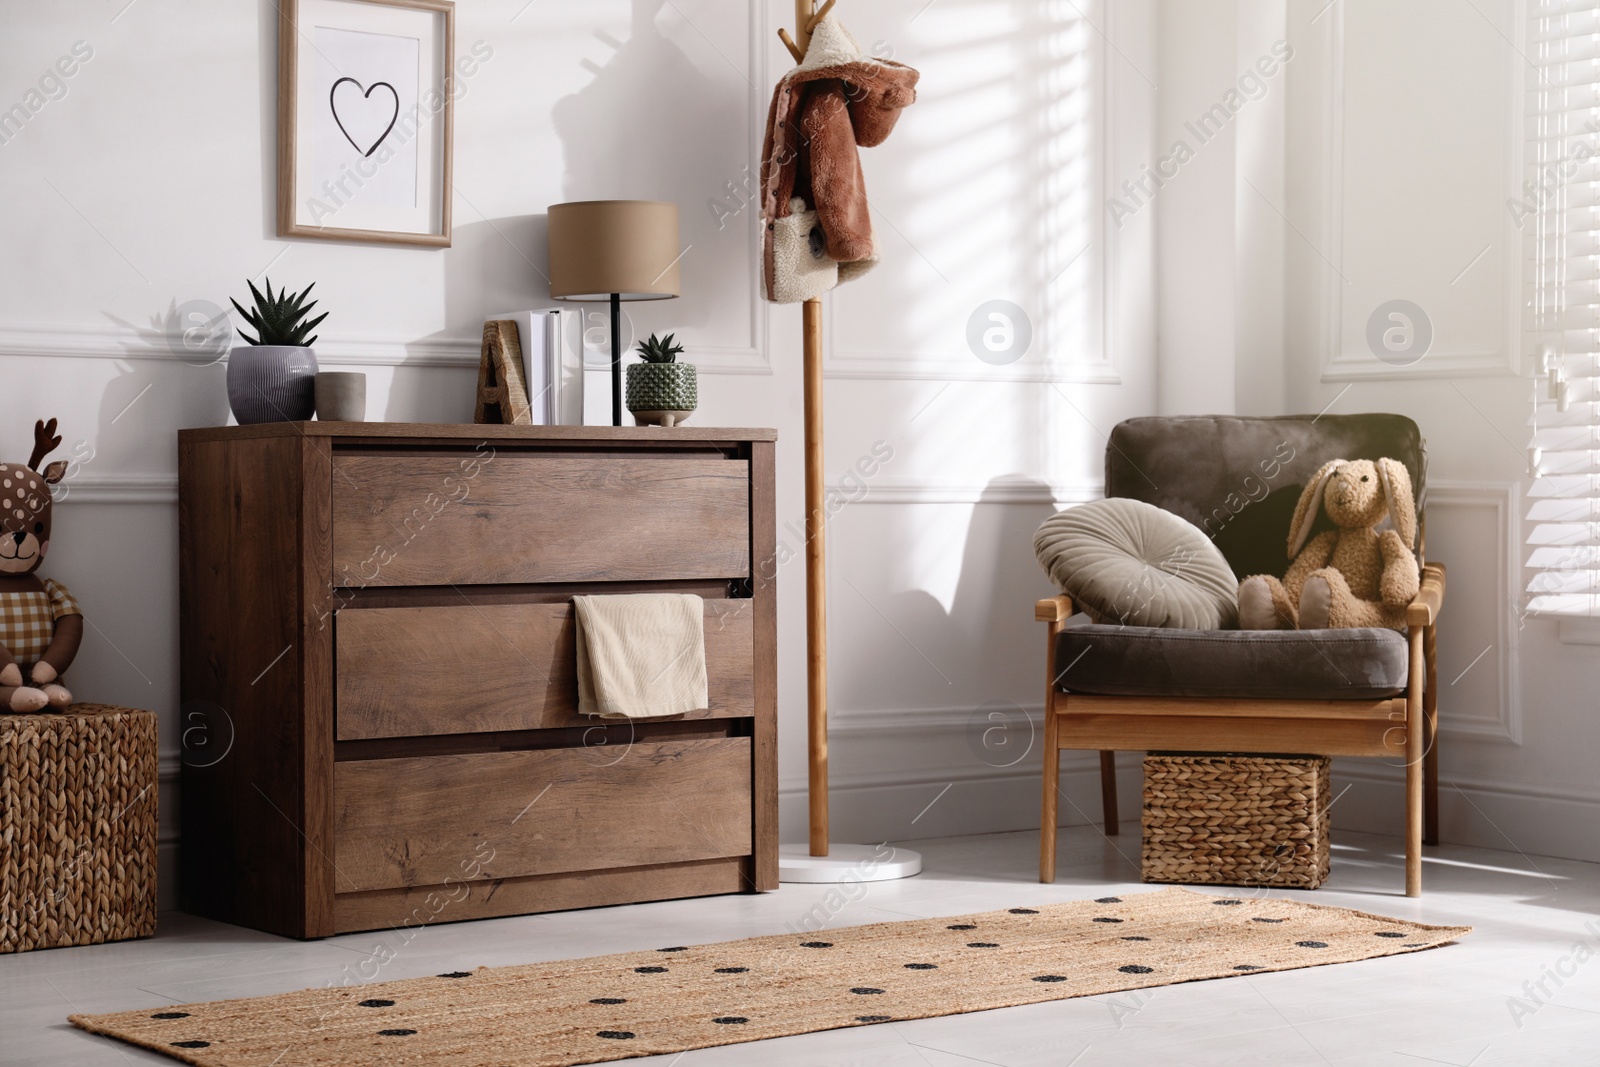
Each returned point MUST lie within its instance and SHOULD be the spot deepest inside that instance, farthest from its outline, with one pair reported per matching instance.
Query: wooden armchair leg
(1047, 809)
(1051, 784)
(1108, 792)
(1415, 758)
(1430, 761)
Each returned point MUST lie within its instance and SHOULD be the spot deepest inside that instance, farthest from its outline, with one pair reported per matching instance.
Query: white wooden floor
(1450, 1006)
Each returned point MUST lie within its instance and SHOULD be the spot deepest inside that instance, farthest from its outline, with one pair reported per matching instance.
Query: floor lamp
(819, 861)
(614, 250)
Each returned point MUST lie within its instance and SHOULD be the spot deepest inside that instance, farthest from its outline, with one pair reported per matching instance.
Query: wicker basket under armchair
(1326, 692)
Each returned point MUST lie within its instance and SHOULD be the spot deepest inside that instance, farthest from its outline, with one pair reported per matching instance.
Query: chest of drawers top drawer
(473, 517)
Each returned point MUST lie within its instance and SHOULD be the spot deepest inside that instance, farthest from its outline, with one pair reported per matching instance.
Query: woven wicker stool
(1236, 820)
(77, 827)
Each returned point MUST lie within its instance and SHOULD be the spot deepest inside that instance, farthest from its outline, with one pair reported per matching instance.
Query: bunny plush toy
(40, 624)
(1349, 576)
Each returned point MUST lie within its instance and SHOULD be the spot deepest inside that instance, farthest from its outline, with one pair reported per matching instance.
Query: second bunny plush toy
(1352, 576)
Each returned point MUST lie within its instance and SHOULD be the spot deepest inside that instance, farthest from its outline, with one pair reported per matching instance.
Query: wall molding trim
(131, 343)
(1038, 365)
(1501, 498)
(907, 366)
(1531, 820)
(1374, 772)
(1339, 365)
(995, 492)
(118, 489)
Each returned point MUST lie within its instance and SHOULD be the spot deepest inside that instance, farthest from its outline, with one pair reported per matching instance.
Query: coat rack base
(847, 863)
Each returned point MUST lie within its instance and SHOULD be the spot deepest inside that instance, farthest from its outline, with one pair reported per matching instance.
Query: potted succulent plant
(273, 378)
(661, 391)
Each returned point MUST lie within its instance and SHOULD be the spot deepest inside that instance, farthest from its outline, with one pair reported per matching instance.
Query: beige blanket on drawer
(641, 656)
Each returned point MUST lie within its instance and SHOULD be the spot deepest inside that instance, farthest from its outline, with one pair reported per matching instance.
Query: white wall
(149, 184)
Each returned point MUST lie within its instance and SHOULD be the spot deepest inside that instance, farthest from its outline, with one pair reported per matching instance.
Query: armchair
(1353, 692)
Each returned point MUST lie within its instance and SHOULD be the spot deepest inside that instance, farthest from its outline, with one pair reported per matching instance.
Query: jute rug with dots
(686, 997)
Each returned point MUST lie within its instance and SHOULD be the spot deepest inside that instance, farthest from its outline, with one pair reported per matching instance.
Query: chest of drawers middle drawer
(481, 668)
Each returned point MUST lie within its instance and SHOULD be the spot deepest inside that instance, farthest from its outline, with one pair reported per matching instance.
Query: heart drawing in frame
(365, 114)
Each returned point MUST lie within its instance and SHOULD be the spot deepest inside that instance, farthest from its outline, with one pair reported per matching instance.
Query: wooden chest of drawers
(378, 671)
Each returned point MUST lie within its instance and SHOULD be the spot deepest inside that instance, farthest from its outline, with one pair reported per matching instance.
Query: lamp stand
(818, 861)
(616, 359)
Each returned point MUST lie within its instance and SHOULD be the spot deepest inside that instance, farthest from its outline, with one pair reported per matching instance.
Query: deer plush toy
(40, 624)
(1351, 576)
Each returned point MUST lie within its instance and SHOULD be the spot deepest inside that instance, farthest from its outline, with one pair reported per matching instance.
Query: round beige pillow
(1129, 562)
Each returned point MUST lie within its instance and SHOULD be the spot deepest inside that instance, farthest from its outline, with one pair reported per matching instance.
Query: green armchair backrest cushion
(1238, 479)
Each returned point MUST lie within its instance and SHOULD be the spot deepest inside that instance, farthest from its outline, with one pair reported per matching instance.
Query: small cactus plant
(661, 391)
(280, 319)
(660, 349)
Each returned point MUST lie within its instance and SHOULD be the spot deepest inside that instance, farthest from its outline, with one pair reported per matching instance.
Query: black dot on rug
(170, 1015)
(455, 974)
(1106, 919)
(609, 1000)
(377, 1003)
(674, 948)
(1414, 944)
(732, 970)
(1108, 900)
(922, 966)
(396, 1033)
(1227, 903)
(1387, 933)
(730, 1020)
(650, 970)
(1246, 967)
(873, 1018)
(616, 1035)
(1259, 919)
(982, 944)
(191, 1044)
(961, 926)
(1022, 911)
(865, 990)
(816, 944)
(1135, 937)
(1050, 978)
(1312, 944)
(1135, 968)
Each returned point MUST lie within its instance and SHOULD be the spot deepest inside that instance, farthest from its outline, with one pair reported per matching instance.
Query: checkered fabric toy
(41, 625)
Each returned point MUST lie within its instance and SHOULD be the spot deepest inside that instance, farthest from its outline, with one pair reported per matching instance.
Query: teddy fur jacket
(834, 102)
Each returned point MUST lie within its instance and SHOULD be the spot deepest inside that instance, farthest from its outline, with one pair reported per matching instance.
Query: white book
(552, 370)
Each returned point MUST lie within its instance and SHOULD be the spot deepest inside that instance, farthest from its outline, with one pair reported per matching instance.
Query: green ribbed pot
(662, 393)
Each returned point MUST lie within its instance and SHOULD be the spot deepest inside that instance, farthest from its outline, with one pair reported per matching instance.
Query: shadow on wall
(493, 266)
(645, 128)
(968, 655)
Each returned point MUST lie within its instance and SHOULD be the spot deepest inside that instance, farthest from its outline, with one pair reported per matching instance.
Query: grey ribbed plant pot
(272, 383)
(662, 394)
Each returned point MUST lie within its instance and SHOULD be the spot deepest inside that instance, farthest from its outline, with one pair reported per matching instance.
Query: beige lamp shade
(625, 247)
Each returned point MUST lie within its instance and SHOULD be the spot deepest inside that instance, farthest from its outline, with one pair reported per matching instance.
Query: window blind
(1561, 215)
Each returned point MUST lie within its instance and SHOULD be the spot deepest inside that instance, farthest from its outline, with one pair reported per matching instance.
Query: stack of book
(552, 368)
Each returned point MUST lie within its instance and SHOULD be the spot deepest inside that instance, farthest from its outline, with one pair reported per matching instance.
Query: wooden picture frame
(366, 120)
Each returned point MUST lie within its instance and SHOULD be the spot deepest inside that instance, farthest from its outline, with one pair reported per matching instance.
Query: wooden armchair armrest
(1056, 609)
(1424, 610)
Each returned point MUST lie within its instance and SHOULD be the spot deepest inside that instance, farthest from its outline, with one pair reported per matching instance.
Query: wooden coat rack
(806, 17)
(848, 862)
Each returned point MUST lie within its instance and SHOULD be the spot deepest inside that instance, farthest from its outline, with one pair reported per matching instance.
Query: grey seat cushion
(1238, 479)
(1261, 664)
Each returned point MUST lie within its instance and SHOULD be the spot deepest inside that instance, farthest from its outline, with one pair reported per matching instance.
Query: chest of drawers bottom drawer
(436, 820)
